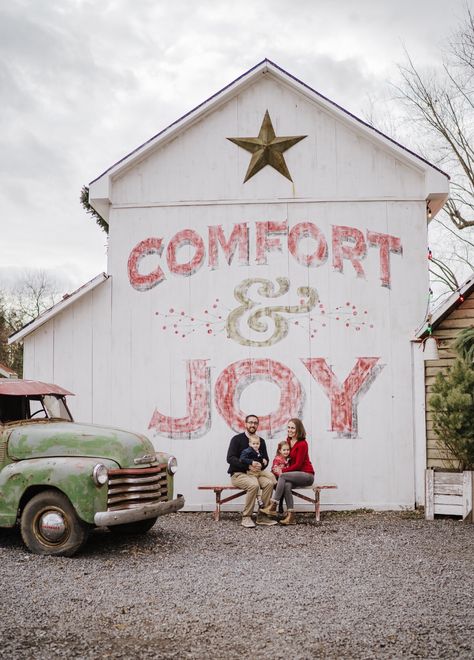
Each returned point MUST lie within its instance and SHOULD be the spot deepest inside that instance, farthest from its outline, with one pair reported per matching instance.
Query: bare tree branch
(442, 103)
(32, 294)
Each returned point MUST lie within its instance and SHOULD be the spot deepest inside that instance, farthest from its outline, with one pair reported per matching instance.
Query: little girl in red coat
(282, 458)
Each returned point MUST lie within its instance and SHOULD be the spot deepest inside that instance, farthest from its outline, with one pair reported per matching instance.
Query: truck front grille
(131, 488)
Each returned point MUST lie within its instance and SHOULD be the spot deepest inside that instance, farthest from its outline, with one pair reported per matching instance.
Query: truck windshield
(56, 407)
(49, 406)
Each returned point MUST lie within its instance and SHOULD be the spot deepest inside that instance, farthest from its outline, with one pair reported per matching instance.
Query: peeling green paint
(71, 439)
(62, 455)
(73, 478)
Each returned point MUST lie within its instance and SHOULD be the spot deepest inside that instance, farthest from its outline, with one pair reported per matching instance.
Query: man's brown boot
(271, 509)
(290, 518)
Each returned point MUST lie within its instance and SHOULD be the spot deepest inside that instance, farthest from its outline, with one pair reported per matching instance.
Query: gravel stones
(358, 585)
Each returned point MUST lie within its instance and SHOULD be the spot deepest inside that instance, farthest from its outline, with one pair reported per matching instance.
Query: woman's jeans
(288, 481)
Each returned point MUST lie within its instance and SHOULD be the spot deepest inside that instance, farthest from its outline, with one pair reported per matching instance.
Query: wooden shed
(267, 255)
(455, 314)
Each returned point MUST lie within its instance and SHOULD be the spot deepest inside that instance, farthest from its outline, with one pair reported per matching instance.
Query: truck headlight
(100, 474)
(172, 465)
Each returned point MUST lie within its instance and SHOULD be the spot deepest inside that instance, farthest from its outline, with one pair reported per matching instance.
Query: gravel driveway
(359, 585)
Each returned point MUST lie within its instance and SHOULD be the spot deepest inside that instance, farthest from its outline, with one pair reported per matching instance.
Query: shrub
(452, 403)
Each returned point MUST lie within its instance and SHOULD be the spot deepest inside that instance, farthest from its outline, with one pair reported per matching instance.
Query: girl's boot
(290, 518)
(271, 509)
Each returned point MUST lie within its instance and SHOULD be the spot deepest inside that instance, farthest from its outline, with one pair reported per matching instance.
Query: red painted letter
(143, 249)
(264, 243)
(239, 375)
(308, 230)
(344, 398)
(185, 237)
(386, 244)
(354, 252)
(239, 236)
(198, 396)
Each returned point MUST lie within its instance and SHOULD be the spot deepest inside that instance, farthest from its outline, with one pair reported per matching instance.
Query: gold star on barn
(267, 149)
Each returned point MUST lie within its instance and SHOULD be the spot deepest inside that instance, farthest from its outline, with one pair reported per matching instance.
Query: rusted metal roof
(20, 387)
(6, 372)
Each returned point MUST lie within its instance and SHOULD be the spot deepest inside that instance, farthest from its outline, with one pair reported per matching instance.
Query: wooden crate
(448, 493)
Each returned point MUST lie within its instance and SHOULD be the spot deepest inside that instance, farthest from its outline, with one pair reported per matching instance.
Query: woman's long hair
(300, 429)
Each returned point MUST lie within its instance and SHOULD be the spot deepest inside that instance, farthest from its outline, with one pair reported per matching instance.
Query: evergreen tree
(452, 403)
(102, 222)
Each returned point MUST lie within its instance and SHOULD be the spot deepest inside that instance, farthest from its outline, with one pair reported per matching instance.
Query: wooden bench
(218, 490)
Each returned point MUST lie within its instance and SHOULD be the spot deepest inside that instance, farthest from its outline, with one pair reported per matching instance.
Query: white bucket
(430, 349)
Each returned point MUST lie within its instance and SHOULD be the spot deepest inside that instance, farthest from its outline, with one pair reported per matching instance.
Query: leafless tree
(439, 119)
(453, 259)
(442, 104)
(32, 293)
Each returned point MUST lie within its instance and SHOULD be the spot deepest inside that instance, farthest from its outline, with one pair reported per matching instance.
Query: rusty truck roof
(21, 387)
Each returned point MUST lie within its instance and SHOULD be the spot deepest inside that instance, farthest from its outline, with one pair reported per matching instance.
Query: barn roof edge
(445, 308)
(49, 313)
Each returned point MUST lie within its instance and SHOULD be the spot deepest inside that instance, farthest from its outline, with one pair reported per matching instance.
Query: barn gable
(341, 157)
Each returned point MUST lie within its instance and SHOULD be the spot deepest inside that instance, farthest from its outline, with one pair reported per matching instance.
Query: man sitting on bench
(250, 478)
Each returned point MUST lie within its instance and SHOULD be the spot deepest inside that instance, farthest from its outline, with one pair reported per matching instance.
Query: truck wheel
(50, 525)
(139, 527)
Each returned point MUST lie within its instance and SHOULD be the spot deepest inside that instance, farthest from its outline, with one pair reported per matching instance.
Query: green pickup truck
(61, 479)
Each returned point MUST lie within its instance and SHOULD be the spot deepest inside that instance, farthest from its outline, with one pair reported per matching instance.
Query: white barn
(267, 255)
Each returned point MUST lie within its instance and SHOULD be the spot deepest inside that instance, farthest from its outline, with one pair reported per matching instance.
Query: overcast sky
(83, 82)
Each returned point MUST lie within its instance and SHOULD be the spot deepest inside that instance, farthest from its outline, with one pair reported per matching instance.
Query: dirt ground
(358, 585)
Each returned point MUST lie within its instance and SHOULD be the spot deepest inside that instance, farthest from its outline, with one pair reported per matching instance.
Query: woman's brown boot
(271, 509)
(290, 518)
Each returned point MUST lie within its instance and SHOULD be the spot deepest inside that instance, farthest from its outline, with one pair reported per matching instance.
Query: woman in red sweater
(298, 474)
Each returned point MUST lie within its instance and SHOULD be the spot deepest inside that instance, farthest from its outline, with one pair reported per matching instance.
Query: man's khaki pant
(251, 483)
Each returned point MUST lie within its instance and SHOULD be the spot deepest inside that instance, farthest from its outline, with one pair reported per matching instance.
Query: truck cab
(59, 479)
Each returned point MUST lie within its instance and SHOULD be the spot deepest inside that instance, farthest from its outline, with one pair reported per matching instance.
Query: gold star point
(267, 149)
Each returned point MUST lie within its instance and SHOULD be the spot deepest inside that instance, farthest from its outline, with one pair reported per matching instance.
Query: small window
(12, 408)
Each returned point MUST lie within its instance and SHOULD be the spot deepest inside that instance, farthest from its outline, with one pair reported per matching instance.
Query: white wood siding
(73, 349)
(125, 352)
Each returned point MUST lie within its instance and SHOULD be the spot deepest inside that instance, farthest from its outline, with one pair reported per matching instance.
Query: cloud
(83, 83)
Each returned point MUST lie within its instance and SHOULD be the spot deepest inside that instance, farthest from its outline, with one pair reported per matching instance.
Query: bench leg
(317, 504)
(217, 512)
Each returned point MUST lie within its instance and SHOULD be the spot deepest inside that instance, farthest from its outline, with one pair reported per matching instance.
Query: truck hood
(38, 439)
